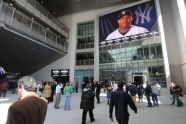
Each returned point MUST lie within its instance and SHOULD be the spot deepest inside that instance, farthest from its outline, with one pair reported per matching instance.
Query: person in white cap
(125, 27)
(30, 109)
(2, 71)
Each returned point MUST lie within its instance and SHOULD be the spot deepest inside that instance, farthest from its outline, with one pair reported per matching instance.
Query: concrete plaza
(164, 114)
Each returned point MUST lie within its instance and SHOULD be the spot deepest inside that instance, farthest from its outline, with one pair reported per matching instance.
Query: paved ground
(164, 114)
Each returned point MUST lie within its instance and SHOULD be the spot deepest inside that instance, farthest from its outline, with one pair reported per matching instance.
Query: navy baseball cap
(124, 12)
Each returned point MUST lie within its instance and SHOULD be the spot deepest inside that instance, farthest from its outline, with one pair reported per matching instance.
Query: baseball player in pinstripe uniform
(125, 26)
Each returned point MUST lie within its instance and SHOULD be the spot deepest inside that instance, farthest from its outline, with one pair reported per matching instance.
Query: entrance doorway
(140, 79)
(63, 79)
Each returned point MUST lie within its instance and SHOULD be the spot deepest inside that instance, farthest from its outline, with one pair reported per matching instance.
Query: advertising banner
(128, 24)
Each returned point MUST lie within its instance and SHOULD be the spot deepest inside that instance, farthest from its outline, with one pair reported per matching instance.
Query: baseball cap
(124, 12)
(28, 82)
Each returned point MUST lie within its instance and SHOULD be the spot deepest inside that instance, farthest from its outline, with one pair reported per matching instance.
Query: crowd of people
(49, 90)
(136, 91)
(119, 96)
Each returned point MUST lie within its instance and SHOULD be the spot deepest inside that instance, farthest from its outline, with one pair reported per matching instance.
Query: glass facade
(85, 35)
(85, 40)
(134, 61)
(81, 75)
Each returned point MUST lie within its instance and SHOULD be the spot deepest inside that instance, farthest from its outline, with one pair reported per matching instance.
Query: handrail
(85, 45)
(19, 21)
(45, 12)
(84, 62)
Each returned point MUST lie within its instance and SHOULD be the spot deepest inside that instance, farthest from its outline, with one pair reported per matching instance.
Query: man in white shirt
(125, 27)
(58, 95)
(155, 91)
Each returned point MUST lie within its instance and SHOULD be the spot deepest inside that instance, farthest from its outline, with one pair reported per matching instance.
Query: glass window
(128, 56)
(124, 45)
(152, 52)
(140, 53)
(122, 49)
(107, 48)
(160, 62)
(123, 64)
(146, 52)
(154, 71)
(85, 35)
(159, 51)
(116, 46)
(133, 48)
(128, 49)
(135, 64)
(125, 61)
(141, 63)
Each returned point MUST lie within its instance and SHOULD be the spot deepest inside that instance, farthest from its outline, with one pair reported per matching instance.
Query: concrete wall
(45, 73)
(178, 21)
(172, 42)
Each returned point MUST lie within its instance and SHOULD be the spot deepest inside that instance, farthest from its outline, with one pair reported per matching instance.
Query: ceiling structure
(64, 7)
(22, 55)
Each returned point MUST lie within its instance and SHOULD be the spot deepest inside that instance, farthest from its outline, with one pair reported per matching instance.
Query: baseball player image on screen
(125, 27)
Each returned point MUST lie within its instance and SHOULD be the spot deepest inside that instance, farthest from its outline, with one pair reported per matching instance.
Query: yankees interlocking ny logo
(143, 14)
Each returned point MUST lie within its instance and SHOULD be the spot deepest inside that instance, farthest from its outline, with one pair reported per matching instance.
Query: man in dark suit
(98, 91)
(87, 103)
(30, 109)
(120, 99)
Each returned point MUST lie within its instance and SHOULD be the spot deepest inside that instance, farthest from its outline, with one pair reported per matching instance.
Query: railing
(85, 45)
(46, 13)
(84, 62)
(17, 20)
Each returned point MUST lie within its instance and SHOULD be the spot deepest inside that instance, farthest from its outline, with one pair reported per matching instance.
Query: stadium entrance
(133, 61)
(140, 79)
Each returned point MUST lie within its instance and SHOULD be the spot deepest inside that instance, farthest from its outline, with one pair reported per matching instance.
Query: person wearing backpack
(177, 93)
(87, 103)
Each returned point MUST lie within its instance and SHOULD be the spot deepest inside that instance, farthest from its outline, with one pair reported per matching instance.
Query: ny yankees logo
(140, 14)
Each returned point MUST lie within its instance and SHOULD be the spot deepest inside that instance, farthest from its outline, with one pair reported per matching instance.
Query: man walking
(120, 99)
(148, 93)
(30, 109)
(155, 90)
(87, 103)
(58, 95)
(98, 91)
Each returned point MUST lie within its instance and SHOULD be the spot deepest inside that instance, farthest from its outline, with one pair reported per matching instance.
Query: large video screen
(135, 22)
